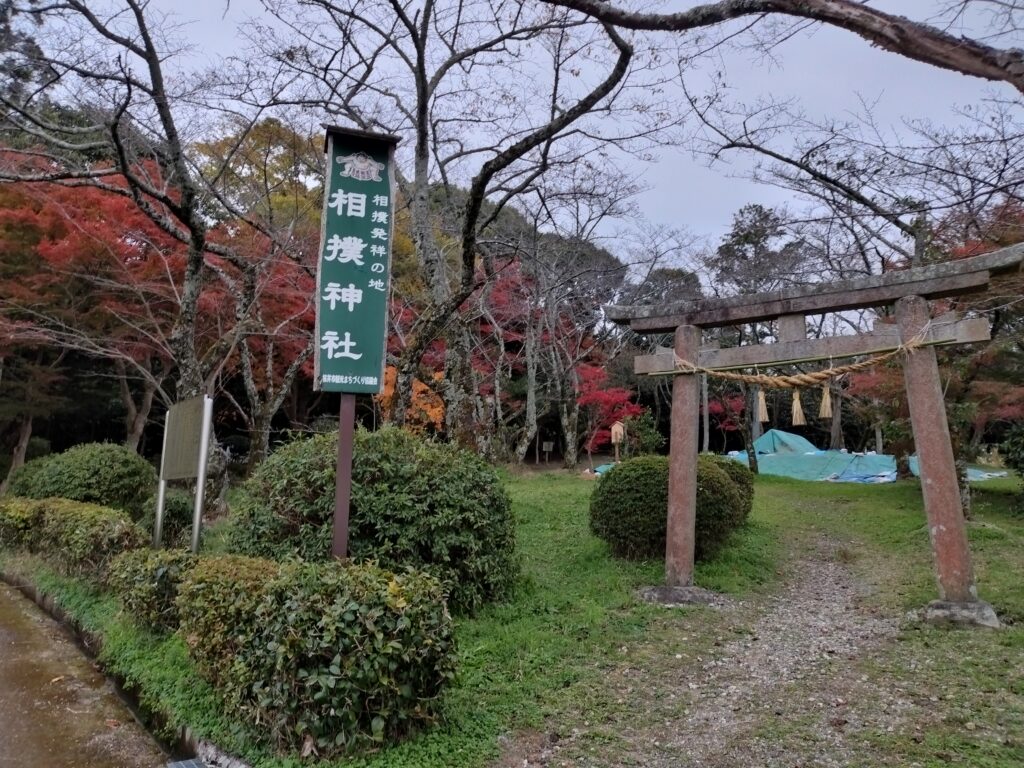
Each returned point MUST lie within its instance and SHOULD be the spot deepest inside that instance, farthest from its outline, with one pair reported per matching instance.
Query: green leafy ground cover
(535, 670)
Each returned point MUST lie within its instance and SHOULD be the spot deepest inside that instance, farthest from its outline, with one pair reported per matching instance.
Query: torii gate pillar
(682, 468)
(939, 482)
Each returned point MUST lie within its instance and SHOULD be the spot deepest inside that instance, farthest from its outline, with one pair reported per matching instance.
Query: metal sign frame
(175, 423)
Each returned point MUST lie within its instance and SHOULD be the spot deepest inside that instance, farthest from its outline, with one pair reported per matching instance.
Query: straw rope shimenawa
(792, 381)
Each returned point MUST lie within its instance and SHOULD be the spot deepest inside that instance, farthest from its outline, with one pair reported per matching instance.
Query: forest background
(159, 217)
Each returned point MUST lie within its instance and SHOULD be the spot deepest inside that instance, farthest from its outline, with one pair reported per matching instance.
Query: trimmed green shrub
(721, 508)
(415, 503)
(81, 539)
(146, 583)
(37, 447)
(320, 655)
(78, 539)
(178, 508)
(20, 522)
(217, 601)
(629, 507)
(100, 473)
(23, 481)
(743, 478)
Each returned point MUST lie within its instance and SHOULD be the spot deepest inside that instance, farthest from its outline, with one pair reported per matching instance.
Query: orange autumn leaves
(426, 411)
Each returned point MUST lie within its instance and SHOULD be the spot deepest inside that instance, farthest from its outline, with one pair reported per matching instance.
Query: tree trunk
(218, 480)
(530, 427)
(753, 418)
(137, 426)
(569, 415)
(136, 416)
(259, 441)
(458, 390)
(264, 401)
(485, 420)
(977, 435)
(19, 452)
(705, 416)
(836, 441)
(191, 381)
(405, 374)
(879, 447)
(748, 443)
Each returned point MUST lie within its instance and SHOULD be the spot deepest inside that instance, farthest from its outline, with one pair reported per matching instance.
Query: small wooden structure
(618, 436)
(914, 337)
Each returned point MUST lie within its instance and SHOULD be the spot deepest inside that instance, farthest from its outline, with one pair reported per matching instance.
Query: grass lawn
(535, 670)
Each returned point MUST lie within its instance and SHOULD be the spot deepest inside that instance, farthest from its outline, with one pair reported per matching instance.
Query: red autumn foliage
(726, 412)
(603, 405)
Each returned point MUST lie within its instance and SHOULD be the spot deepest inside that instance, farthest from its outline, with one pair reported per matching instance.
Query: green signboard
(354, 270)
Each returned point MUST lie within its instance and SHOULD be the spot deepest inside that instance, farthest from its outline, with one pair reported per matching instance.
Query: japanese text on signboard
(354, 267)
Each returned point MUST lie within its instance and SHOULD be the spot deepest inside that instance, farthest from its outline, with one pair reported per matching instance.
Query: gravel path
(794, 668)
(785, 691)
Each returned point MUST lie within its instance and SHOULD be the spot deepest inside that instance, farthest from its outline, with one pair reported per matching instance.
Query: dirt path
(56, 710)
(778, 682)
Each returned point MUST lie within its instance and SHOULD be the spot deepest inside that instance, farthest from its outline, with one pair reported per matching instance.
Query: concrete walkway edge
(186, 746)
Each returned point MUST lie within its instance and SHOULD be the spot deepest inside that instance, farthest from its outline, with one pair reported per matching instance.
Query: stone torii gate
(915, 335)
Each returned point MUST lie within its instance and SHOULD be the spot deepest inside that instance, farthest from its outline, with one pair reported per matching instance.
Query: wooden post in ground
(682, 471)
(939, 485)
(343, 479)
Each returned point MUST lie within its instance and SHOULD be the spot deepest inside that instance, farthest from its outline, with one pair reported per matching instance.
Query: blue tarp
(826, 465)
(777, 441)
(793, 456)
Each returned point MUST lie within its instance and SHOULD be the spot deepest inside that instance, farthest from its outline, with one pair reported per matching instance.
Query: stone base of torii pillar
(976, 613)
(676, 597)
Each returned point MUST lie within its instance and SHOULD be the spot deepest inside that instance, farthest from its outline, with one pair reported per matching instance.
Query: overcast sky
(827, 69)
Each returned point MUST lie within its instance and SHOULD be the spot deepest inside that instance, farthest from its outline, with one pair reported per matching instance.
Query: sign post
(353, 281)
(185, 457)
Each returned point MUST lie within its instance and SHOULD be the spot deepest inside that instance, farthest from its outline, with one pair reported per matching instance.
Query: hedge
(217, 601)
(76, 538)
(23, 481)
(100, 473)
(321, 656)
(742, 477)
(37, 447)
(629, 508)
(415, 503)
(146, 583)
(178, 512)
(20, 522)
